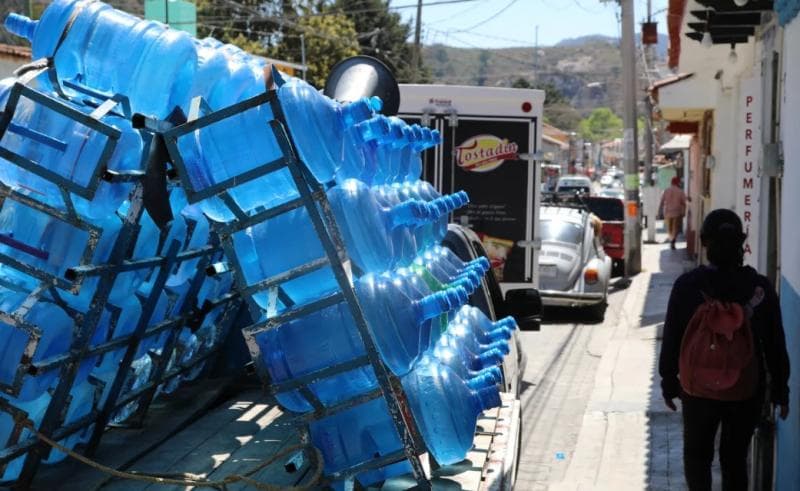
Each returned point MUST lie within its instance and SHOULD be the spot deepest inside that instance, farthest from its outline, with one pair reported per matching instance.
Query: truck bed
(213, 429)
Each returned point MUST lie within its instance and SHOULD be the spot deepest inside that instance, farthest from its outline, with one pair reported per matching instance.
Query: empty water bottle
(396, 320)
(446, 408)
(81, 403)
(70, 150)
(34, 409)
(319, 340)
(138, 375)
(85, 38)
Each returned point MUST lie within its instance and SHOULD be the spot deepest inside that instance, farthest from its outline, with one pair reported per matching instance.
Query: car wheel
(598, 311)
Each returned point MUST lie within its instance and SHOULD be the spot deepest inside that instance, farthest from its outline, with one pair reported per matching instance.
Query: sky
(506, 23)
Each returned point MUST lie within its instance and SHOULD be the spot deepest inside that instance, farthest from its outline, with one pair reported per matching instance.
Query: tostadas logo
(483, 153)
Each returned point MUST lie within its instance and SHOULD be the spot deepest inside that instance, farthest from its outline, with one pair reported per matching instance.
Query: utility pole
(303, 53)
(415, 55)
(633, 233)
(536, 54)
(650, 195)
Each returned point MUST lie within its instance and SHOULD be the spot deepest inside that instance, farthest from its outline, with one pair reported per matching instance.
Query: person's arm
(678, 315)
(774, 346)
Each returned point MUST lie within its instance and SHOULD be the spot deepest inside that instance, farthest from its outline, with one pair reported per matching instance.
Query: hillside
(586, 70)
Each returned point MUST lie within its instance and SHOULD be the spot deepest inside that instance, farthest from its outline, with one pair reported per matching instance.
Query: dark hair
(723, 238)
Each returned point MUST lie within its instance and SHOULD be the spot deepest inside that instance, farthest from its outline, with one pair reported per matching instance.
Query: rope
(189, 479)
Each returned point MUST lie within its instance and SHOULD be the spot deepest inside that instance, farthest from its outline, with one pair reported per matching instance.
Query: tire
(598, 311)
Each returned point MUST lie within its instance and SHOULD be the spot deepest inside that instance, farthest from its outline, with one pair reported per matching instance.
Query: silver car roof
(567, 214)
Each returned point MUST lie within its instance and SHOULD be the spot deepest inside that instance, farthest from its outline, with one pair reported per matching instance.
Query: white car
(574, 270)
(606, 180)
(572, 184)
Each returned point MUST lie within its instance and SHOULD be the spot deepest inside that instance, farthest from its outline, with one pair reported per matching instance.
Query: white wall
(790, 129)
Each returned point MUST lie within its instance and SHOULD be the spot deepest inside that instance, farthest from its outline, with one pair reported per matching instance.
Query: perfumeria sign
(483, 153)
(748, 165)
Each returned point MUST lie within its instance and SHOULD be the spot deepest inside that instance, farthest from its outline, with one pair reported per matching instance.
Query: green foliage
(562, 115)
(602, 124)
(329, 39)
(521, 83)
(552, 94)
(381, 33)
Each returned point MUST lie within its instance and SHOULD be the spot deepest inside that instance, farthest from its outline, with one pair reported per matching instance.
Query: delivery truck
(490, 140)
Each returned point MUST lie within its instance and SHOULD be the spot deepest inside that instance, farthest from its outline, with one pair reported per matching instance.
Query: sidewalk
(629, 440)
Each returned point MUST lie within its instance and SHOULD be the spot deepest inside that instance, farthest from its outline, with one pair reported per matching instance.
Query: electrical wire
(490, 18)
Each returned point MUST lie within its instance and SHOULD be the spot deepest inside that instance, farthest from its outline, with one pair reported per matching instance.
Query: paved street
(592, 412)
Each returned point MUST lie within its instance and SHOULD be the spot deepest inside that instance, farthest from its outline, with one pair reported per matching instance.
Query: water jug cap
(481, 264)
(21, 26)
(488, 397)
(499, 334)
(462, 197)
(466, 282)
(458, 296)
(482, 380)
(508, 323)
(495, 372)
(490, 358)
(437, 137)
(501, 346)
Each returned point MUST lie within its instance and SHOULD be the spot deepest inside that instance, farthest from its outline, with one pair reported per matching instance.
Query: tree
(382, 34)
(329, 38)
(552, 95)
(522, 83)
(562, 116)
(602, 124)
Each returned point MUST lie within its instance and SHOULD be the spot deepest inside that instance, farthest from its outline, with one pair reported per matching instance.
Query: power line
(491, 17)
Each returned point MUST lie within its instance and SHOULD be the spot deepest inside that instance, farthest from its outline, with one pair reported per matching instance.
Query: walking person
(673, 208)
(723, 354)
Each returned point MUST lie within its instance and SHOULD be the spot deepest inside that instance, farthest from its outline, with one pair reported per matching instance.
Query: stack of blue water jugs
(412, 291)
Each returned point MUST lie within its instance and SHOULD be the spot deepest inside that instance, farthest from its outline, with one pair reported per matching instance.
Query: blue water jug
(356, 435)
(362, 140)
(100, 37)
(446, 408)
(35, 410)
(316, 341)
(186, 346)
(395, 319)
(411, 169)
(81, 403)
(138, 375)
(56, 337)
(69, 149)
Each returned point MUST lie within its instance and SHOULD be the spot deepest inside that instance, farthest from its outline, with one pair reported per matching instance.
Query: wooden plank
(203, 444)
(120, 447)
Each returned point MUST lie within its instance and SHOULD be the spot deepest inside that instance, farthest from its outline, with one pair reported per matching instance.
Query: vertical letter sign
(748, 166)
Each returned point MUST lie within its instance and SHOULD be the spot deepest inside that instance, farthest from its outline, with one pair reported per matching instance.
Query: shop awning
(678, 143)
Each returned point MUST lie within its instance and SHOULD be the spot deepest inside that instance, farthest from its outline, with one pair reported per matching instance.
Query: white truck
(490, 140)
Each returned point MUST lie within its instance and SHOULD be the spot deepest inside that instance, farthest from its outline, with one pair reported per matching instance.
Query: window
(561, 231)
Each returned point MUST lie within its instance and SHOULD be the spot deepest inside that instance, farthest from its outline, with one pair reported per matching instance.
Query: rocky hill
(586, 70)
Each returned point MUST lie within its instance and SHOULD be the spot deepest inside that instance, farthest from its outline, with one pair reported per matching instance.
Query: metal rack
(54, 287)
(311, 196)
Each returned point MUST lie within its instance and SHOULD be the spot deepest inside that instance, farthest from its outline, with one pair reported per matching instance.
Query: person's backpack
(718, 353)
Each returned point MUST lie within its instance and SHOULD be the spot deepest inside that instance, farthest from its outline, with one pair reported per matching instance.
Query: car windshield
(573, 183)
(561, 231)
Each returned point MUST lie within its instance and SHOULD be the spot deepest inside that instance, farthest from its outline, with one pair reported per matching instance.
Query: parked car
(573, 184)
(611, 210)
(606, 180)
(489, 298)
(574, 270)
(613, 192)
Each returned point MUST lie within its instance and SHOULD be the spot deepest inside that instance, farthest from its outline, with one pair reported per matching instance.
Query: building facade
(738, 93)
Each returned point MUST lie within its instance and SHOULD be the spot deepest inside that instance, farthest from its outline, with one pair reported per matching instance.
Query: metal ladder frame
(313, 198)
(68, 363)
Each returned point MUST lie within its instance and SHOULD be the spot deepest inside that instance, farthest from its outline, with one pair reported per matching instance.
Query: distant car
(612, 192)
(574, 270)
(611, 210)
(606, 180)
(573, 184)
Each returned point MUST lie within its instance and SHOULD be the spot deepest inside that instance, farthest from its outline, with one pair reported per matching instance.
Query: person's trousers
(673, 225)
(701, 419)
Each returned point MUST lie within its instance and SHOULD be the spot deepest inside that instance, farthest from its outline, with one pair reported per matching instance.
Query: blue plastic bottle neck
(411, 212)
(479, 264)
(482, 380)
(440, 302)
(508, 323)
(499, 334)
(490, 358)
(20, 25)
(488, 398)
(501, 346)
(376, 128)
(360, 110)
